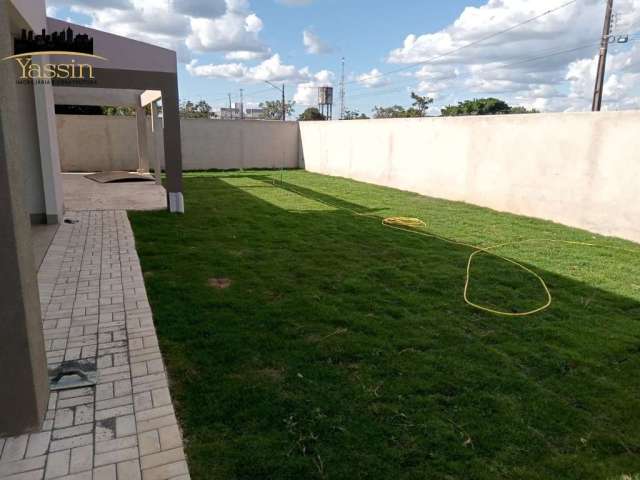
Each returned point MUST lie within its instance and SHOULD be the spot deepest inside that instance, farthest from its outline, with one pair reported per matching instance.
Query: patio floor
(80, 193)
(95, 307)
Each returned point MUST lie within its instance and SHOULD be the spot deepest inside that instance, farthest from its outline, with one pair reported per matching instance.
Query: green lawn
(343, 349)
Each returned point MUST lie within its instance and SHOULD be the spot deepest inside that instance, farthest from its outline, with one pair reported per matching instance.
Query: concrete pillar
(172, 148)
(49, 151)
(24, 379)
(157, 135)
(143, 153)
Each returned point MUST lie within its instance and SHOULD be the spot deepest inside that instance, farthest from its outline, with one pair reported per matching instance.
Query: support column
(158, 150)
(22, 354)
(172, 145)
(49, 150)
(143, 153)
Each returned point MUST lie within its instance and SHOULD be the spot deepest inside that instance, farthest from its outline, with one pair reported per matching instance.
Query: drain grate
(73, 374)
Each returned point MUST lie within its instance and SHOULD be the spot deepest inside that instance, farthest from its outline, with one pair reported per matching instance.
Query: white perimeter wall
(579, 169)
(226, 144)
(95, 143)
(90, 143)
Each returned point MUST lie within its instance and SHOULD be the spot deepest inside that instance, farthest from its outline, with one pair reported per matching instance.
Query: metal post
(241, 104)
(602, 60)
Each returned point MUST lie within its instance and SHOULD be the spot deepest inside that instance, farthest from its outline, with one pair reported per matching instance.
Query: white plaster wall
(579, 169)
(98, 143)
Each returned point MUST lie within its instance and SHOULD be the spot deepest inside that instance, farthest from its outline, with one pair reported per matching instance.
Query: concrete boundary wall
(97, 143)
(227, 144)
(578, 169)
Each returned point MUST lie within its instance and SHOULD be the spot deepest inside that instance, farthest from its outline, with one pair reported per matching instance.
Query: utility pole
(602, 60)
(284, 106)
(241, 104)
(230, 107)
(342, 92)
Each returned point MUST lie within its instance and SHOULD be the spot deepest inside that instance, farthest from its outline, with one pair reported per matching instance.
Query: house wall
(31, 163)
(24, 397)
(579, 169)
(98, 143)
(22, 14)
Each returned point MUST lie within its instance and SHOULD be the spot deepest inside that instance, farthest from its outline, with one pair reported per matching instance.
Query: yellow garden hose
(411, 225)
(406, 223)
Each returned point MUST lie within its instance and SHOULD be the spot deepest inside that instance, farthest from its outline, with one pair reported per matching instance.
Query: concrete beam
(103, 96)
(149, 96)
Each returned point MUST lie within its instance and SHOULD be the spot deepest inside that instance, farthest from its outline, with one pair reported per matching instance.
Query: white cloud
(226, 26)
(558, 81)
(231, 71)
(200, 8)
(244, 55)
(236, 30)
(373, 78)
(272, 70)
(314, 44)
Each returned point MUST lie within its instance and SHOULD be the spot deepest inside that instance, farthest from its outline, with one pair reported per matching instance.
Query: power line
(399, 87)
(472, 44)
(463, 47)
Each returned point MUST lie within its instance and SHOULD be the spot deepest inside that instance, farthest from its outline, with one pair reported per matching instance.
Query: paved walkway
(95, 307)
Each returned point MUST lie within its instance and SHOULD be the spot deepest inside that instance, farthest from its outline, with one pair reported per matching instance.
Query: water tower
(325, 101)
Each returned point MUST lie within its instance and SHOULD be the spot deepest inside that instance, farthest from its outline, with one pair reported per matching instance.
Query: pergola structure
(131, 73)
(134, 74)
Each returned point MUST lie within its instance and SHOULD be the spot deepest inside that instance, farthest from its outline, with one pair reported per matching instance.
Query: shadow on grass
(343, 350)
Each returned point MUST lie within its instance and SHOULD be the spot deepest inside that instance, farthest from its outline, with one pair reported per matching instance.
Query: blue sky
(225, 45)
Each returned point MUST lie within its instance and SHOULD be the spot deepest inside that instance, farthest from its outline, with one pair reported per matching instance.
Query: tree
(419, 108)
(354, 115)
(188, 109)
(118, 111)
(483, 106)
(311, 113)
(522, 110)
(397, 111)
(272, 110)
(421, 104)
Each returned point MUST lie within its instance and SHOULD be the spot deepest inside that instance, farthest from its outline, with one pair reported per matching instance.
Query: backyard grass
(306, 342)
